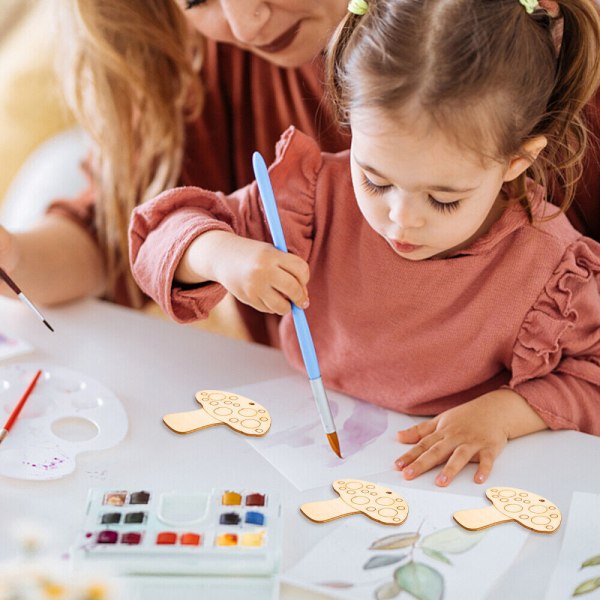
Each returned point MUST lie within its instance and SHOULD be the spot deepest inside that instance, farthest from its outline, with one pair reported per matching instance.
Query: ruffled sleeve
(556, 357)
(162, 229)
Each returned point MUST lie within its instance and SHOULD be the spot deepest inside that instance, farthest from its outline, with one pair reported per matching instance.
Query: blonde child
(440, 280)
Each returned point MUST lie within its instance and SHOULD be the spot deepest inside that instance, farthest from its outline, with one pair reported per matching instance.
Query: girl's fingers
(486, 462)
(415, 433)
(411, 462)
(296, 267)
(289, 287)
(456, 463)
(429, 459)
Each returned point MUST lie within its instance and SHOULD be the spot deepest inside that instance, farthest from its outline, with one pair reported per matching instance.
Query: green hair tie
(358, 7)
(530, 5)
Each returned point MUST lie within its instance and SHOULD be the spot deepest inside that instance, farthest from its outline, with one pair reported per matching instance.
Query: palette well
(219, 532)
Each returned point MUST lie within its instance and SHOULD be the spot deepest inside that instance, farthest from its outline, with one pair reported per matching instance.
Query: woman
(182, 92)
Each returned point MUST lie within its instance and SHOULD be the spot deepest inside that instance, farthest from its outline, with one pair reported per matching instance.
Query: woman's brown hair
(130, 78)
(486, 71)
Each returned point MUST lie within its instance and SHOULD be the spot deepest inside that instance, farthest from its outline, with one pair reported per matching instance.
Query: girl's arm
(55, 261)
(187, 238)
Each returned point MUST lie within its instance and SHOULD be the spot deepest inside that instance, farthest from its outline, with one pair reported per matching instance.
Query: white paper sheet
(438, 559)
(578, 570)
(367, 433)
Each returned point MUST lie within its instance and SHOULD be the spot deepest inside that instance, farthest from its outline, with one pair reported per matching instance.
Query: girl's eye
(443, 207)
(372, 188)
(191, 3)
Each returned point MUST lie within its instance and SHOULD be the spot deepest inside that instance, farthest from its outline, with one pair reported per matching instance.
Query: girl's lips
(283, 41)
(404, 248)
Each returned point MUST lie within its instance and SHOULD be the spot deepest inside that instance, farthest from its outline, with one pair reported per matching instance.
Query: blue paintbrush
(302, 331)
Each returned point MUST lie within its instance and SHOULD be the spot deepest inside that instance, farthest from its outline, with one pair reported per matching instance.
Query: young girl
(440, 280)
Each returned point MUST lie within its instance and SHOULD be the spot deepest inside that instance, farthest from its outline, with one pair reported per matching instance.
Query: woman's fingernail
(480, 478)
(442, 479)
(399, 464)
(305, 304)
(409, 472)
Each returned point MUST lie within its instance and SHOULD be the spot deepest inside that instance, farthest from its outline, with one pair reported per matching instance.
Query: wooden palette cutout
(356, 496)
(512, 504)
(222, 408)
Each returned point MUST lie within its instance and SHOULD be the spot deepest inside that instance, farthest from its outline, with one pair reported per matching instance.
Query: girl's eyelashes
(373, 188)
(191, 3)
(443, 207)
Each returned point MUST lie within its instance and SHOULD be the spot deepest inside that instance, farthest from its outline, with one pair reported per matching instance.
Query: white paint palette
(67, 413)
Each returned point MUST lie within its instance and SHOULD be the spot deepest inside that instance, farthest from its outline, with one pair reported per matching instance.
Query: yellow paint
(255, 540)
(227, 539)
(231, 499)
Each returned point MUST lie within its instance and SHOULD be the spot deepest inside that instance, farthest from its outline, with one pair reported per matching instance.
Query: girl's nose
(405, 213)
(246, 18)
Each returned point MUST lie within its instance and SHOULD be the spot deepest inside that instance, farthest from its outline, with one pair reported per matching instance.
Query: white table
(155, 367)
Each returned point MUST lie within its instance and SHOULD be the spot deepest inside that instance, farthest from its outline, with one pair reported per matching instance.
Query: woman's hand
(255, 272)
(8, 251)
(476, 431)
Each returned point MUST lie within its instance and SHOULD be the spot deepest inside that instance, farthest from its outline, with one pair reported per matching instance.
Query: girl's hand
(263, 277)
(255, 272)
(472, 432)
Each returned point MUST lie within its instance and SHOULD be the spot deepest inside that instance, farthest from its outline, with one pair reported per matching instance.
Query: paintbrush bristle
(332, 438)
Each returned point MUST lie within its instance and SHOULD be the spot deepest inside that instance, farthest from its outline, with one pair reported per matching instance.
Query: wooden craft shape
(511, 504)
(222, 408)
(356, 496)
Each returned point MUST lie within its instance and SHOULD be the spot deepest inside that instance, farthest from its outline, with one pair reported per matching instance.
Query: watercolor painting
(428, 557)
(367, 433)
(12, 346)
(577, 572)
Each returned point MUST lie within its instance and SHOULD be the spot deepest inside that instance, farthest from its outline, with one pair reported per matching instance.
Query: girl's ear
(529, 152)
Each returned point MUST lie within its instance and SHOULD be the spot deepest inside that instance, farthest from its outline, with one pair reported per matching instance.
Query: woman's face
(287, 33)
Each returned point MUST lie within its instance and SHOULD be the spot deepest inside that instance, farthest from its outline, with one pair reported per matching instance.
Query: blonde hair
(130, 76)
(484, 70)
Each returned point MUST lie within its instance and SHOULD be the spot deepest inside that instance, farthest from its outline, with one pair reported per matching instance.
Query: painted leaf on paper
(590, 562)
(394, 542)
(587, 586)
(420, 580)
(382, 560)
(387, 591)
(337, 585)
(452, 540)
(436, 555)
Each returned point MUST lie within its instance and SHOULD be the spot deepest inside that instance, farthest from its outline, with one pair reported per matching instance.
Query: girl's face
(423, 194)
(287, 33)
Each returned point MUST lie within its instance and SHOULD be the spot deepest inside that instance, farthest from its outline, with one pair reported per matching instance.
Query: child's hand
(263, 277)
(472, 432)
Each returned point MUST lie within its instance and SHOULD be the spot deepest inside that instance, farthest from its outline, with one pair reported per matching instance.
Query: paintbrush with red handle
(17, 409)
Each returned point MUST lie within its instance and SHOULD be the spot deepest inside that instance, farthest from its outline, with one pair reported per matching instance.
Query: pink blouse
(519, 308)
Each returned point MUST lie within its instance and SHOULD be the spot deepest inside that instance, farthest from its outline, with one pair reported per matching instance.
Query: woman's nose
(405, 213)
(246, 18)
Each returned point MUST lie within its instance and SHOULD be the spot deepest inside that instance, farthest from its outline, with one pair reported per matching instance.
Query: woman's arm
(56, 261)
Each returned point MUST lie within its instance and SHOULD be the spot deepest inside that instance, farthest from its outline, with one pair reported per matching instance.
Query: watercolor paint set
(219, 532)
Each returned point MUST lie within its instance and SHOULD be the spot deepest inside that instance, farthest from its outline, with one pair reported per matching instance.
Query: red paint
(166, 537)
(133, 538)
(191, 539)
(255, 500)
